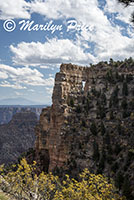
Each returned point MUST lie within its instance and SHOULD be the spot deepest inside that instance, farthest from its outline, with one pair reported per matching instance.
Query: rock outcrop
(50, 132)
(90, 123)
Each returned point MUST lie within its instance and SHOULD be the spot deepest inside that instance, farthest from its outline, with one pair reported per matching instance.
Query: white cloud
(14, 9)
(19, 78)
(82, 10)
(50, 66)
(106, 36)
(3, 75)
(44, 67)
(105, 40)
(10, 85)
(111, 43)
(122, 13)
(86, 11)
(53, 9)
(54, 51)
(49, 81)
(49, 90)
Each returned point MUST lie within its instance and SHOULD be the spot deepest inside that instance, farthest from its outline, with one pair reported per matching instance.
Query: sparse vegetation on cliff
(91, 127)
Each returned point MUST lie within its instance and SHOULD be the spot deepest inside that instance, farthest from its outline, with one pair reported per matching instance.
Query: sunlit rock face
(51, 130)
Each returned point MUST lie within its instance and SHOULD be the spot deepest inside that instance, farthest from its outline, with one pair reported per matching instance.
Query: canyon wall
(72, 84)
(17, 136)
(90, 123)
(68, 84)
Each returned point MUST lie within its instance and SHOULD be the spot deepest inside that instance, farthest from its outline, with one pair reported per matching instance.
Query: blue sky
(73, 31)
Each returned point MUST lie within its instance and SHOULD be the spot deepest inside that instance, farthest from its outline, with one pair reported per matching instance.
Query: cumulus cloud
(10, 85)
(19, 78)
(122, 13)
(14, 9)
(53, 9)
(90, 46)
(56, 51)
(59, 9)
(53, 51)
(82, 10)
(111, 43)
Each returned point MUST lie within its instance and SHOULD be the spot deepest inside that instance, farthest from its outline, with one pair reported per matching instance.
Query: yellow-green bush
(23, 183)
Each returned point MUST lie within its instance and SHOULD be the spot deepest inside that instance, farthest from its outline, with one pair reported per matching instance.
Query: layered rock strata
(72, 84)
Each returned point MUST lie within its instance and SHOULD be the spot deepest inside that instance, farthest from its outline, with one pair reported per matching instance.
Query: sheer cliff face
(50, 133)
(81, 95)
(90, 123)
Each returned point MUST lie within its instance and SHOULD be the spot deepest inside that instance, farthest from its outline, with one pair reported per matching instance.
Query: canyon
(17, 136)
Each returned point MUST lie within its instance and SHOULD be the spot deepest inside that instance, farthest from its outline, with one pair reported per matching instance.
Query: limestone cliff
(50, 132)
(90, 123)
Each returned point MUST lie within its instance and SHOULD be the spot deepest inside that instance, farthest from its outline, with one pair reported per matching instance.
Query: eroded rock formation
(50, 132)
(90, 123)
(72, 83)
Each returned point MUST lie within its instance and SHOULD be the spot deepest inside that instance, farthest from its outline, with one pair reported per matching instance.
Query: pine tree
(124, 103)
(96, 154)
(119, 179)
(126, 188)
(103, 129)
(125, 89)
(93, 128)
